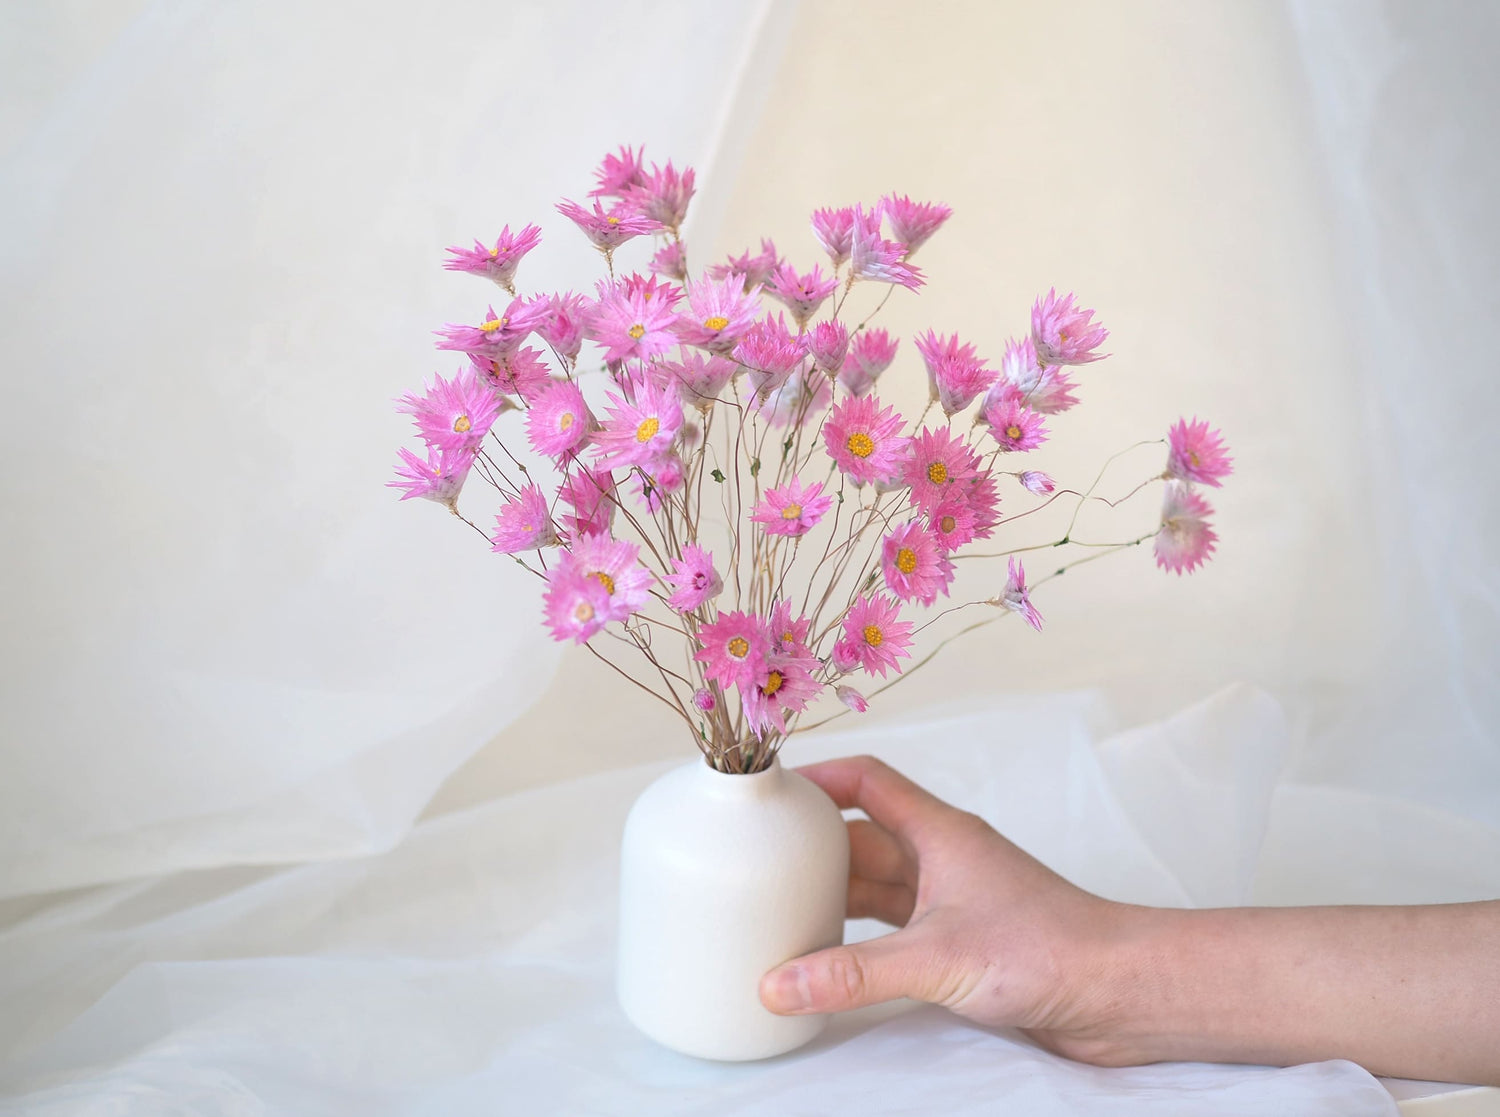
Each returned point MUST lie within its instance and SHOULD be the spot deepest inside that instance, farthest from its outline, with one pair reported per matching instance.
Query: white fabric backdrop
(216, 654)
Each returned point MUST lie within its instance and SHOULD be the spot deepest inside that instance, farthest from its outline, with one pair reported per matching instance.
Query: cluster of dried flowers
(727, 485)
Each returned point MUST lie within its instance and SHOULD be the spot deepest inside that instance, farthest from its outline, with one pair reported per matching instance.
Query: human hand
(985, 929)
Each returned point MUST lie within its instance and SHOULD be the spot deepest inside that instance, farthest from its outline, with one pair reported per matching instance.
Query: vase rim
(742, 782)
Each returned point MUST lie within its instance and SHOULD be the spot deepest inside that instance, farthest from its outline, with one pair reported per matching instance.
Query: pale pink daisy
(828, 344)
(639, 432)
(1185, 539)
(655, 483)
(497, 336)
(652, 287)
(852, 698)
(562, 328)
(574, 607)
(523, 374)
(952, 521)
(698, 377)
(870, 353)
(1016, 598)
(500, 262)
(1065, 334)
(955, 373)
(615, 565)
(1034, 481)
(1017, 429)
(454, 414)
(800, 395)
(787, 688)
(1196, 453)
(704, 699)
(770, 352)
(559, 422)
(845, 656)
(670, 262)
(721, 313)
(663, 194)
(693, 579)
(913, 564)
(865, 440)
(755, 271)
(939, 460)
(733, 649)
(792, 509)
(607, 229)
(524, 524)
(873, 257)
(913, 222)
(592, 497)
(834, 229)
(874, 635)
(788, 633)
(616, 174)
(801, 294)
(983, 499)
(1046, 390)
(630, 325)
(441, 477)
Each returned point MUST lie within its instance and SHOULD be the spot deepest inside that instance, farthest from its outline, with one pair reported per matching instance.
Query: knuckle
(846, 976)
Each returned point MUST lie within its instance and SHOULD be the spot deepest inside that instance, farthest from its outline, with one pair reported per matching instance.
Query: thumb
(845, 977)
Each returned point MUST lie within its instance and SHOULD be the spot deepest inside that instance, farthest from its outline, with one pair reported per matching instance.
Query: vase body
(723, 877)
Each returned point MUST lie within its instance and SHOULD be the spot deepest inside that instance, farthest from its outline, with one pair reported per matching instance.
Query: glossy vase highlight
(722, 878)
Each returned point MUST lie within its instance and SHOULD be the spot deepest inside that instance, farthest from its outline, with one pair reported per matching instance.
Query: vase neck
(731, 785)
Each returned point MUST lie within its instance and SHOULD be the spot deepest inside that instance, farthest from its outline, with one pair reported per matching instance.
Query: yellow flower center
(494, 253)
(648, 428)
(906, 560)
(773, 684)
(613, 220)
(791, 511)
(461, 425)
(873, 635)
(565, 421)
(604, 580)
(717, 322)
(1193, 456)
(1062, 335)
(1013, 432)
(937, 473)
(860, 444)
(738, 647)
(947, 524)
(637, 331)
(583, 612)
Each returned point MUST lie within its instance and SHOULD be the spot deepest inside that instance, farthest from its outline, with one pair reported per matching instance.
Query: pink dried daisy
(834, 229)
(939, 460)
(1196, 453)
(788, 633)
(562, 327)
(524, 524)
(574, 607)
(559, 423)
(983, 499)
(913, 222)
(608, 229)
(873, 635)
(591, 496)
(1016, 598)
(721, 313)
(670, 262)
(873, 257)
(498, 263)
(828, 344)
(698, 377)
(693, 579)
(801, 294)
(913, 564)
(704, 699)
(791, 509)
(852, 698)
(615, 565)
(1016, 428)
(1045, 390)
(865, 440)
(1065, 334)
(787, 688)
(498, 336)
(870, 353)
(1034, 481)
(523, 374)
(952, 521)
(616, 174)
(652, 288)
(663, 194)
(441, 477)
(630, 325)
(639, 432)
(770, 352)
(454, 414)
(1185, 539)
(800, 395)
(955, 374)
(733, 649)
(755, 271)
(654, 484)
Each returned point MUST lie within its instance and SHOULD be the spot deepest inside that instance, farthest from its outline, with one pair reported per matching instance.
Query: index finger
(883, 793)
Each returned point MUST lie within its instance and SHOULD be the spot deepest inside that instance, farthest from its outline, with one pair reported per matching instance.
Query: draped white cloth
(236, 671)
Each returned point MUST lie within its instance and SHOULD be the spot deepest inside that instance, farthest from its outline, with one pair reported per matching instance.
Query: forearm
(1404, 991)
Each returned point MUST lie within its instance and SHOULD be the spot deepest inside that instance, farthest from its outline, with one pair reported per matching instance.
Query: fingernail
(788, 990)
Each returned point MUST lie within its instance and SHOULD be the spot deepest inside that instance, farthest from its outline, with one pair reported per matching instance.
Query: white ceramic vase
(722, 878)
